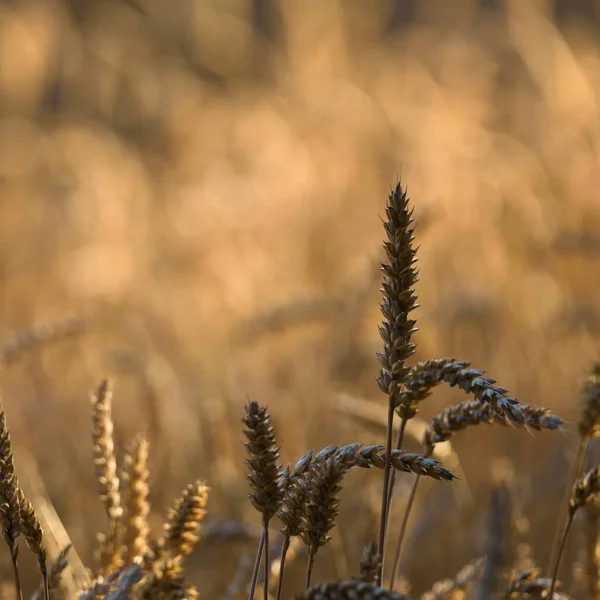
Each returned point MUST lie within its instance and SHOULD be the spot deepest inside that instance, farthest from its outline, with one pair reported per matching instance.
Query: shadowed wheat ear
(101, 586)
(370, 563)
(31, 528)
(396, 330)
(460, 582)
(10, 509)
(348, 590)
(136, 508)
(264, 478)
(105, 462)
(427, 374)
(583, 491)
(294, 490)
(166, 580)
(589, 428)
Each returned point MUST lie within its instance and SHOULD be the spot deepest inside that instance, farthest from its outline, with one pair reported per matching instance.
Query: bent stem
(561, 549)
(259, 552)
(577, 465)
(385, 492)
(284, 549)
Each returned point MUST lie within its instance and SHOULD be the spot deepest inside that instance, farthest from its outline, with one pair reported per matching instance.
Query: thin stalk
(259, 552)
(311, 563)
(561, 549)
(284, 549)
(393, 473)
(402, 534)
(266, 562)
(14, 554)
(385, 492)
(577, 465)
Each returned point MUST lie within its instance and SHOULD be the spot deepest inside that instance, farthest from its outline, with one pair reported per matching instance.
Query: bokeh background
(200, 184)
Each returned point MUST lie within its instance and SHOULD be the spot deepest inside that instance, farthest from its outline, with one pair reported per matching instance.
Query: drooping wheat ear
(31, 528)
(101, 586)
(583, 491)
(474, 412)
(181, 531)
(530, 584)
(427, 374)
(136, 506)
(55, 571)
(322, 509)
(460, 582)
(497, 557)
(10, 509)
(13, 349)
(370, 563)
(267, 494)
(591, 567)
(348, 590)
(105, 463)
(294, 490)
(396, 330)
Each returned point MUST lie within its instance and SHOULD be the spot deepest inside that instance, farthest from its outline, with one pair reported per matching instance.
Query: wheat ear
(10, 509)
(370, 563)
(266, 495)
(583, 491)
(105, 462)
(31, 528)
(530, 584)
(136, 506)
(55, 571)
(294, 491)
(589, 428)
(396, 330)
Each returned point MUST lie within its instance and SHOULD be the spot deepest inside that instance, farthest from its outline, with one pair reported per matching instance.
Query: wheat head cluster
(299, 503)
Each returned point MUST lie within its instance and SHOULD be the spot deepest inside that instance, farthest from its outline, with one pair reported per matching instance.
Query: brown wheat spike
(325, 483)
(474, 412)
(33, 532)
(370, 563)
(351, 589)
(55, 571)
(529, 584)
(396, 330)
(584, 490)
(181, 531)
(10, 509)
(136, 507)
(427, 374)
(589, 424)
(461, 581)
(263, 454)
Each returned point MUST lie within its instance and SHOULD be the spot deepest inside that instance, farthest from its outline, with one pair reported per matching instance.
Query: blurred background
(200, 184)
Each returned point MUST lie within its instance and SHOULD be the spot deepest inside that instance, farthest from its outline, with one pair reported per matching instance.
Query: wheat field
(192, 204)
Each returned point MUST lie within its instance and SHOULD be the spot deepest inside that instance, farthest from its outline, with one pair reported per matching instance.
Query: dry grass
(201, 187)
